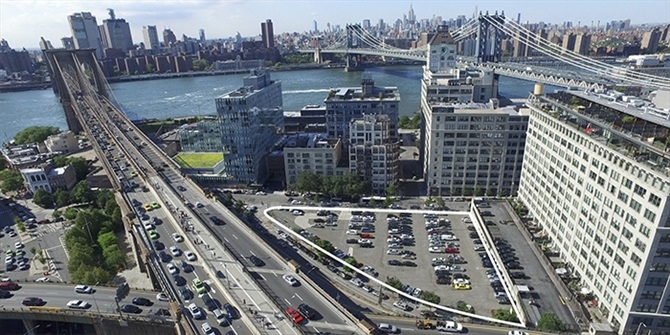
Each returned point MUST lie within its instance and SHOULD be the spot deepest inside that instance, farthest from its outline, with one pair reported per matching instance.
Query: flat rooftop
(648, 113)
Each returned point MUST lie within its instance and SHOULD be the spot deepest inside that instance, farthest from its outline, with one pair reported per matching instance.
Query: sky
(23, 22)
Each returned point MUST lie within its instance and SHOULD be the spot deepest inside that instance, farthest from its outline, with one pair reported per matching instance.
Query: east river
(176, 97)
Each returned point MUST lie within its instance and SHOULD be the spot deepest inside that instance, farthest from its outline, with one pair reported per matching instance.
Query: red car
(452, 250)
(295, 315)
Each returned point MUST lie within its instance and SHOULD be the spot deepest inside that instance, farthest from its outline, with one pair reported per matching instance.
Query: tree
(43, 199)
(80, 166)
(11, 181)
(505, 315)
(3, 163)
(70, 213)
(20, 226)
(439, 202)
(353, 262)
(394, 282)
(430, 297)
(391, 190)
(309, 182)
(463, 306)
(325, 245)
(200, 64)
(549, 322)
(61, 198)
(82, 193)
(35, 134)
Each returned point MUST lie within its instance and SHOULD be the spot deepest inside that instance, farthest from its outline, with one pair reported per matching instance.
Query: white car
(393, 252)
(190, 255)
(261, 193)
(400, 305)
(387, 327)
(175, 251)
(195, 311)
(517, 332)
(78, 304)
(206, 328)
(83, 289)
(148, 225)
(435, 250)
(162, 297)
(177, 238)
(450, 326)
(18, 245)
(172, 268)
(352, 232)
(290, 279)
(43, 280)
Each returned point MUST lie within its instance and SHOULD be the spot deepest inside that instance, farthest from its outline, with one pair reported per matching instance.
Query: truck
(450, 326)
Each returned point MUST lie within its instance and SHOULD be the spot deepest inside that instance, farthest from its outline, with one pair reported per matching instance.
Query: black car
(256, 261)
(442, 280)
(5, 294)
(158, 246)
(157, 221)
(179, 280)
(186, 267)
(352, 241)
(210, 303)
(185, 293)
(181, 188)
(409, 263)
(230, 310)
(394, 262)
(164, 257)
(131, 309)
(142, 301)
(216, 220)
(307, 311)
(517, 275)
(32, 301)
(513, 266)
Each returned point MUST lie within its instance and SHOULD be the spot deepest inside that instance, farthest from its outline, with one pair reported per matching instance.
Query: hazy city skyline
(22, 23)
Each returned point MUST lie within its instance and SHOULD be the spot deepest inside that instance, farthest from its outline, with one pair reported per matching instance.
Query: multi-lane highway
(56, 295)
(147, 176)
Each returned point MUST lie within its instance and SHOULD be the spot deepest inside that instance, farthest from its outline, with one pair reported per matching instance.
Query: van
(221, 317)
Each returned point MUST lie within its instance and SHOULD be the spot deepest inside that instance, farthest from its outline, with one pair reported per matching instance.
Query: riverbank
(19, 87)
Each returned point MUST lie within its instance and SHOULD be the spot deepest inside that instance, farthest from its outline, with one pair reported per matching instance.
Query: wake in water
(307, 91)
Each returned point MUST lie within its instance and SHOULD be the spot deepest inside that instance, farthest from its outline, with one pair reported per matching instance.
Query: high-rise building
(115, 33)
(582, 43)
(347, 103)
(374, 151)
(596, 182)
(315, 27)
(312, 152)
(268, 34)
(569, 41)
(411, 18)
(650, 40)
(150, 37)
(169, 38)
(366, 24)
(202, 35)
(251, 119)
(85, 32)
(473, 149)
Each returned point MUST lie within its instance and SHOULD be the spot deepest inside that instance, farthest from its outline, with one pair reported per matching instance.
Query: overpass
(486, 32)
(260, 295)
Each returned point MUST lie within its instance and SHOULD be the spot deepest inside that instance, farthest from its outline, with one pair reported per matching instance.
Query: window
(641, 191)
(654, 199)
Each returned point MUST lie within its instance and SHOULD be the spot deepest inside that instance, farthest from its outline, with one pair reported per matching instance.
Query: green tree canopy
(405, 122)
(394, 282)
(201, 64)
(549, 322)
(82, 193)
(79, 164)
(430, 297)
(505, 314)
(35, 134)
(11, 181)
(309, 181)
(61, 198)
(43, 199)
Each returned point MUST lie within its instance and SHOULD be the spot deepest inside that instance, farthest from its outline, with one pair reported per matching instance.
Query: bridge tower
(317, 54)
(79, 66)
(489, 38)
(352, 42)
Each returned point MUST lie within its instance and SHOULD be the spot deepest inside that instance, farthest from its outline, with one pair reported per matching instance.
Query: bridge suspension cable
(582, 62)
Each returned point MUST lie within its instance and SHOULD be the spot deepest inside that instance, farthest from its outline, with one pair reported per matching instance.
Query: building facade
(85, 32)
(267, 32)
(48, 178)
(348, 103)
(151, 40)
(115, 33)
(473, 149)
(64, 143)
(251, 120)
(598, 187)
(312, 152)
(203, 136)
(374, 151)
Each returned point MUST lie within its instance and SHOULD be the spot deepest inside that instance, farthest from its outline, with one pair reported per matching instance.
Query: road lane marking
(288, 302)
(225, 239)
(235, 236)
(299, 297)
(252, 253)
(260, 275)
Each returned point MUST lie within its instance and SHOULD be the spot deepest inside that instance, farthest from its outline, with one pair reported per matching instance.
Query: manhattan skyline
(22, 23)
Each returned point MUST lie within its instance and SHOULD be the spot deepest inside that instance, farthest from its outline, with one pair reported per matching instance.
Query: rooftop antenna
(111, 14)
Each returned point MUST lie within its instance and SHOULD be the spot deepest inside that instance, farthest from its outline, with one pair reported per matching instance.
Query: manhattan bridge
(489, 32)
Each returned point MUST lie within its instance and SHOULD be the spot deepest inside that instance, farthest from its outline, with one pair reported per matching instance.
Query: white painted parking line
(235, 237)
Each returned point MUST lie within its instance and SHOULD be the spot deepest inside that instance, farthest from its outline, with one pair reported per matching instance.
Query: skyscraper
(374, 151)
(411, 18)
(169, 38)
(150, 37)
(650, 40)
(268, 34)
(68, 43)
(115, 33)
(315, 27)
(85, 32)
(202, 35)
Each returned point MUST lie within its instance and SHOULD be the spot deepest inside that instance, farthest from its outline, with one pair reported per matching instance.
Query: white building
(35, 179)
(314, 153)
(374, 151)
(85, 32)
(49, 179)
(597, 183)
(473, 149)
(64, 143)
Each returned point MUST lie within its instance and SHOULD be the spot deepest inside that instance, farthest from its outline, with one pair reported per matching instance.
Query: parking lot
(397, 245)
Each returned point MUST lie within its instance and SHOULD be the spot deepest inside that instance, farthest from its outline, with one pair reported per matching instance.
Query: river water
(195, 96)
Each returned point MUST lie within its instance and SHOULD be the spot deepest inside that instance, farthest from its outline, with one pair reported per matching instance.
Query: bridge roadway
(220, 269)
(57, 295)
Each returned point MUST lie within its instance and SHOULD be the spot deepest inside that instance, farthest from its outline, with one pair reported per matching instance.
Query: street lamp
(95, 301)
(30, 331)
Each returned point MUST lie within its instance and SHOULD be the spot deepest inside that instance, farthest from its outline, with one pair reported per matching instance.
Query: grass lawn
(198, 159)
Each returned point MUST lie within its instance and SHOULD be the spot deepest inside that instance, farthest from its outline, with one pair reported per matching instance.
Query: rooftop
(366, 92)
(472, 108)
(633, 106)
(309, 140)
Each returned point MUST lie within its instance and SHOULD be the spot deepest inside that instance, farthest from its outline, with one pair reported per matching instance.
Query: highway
(163, 181)
(57, 295)
(408, 327)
